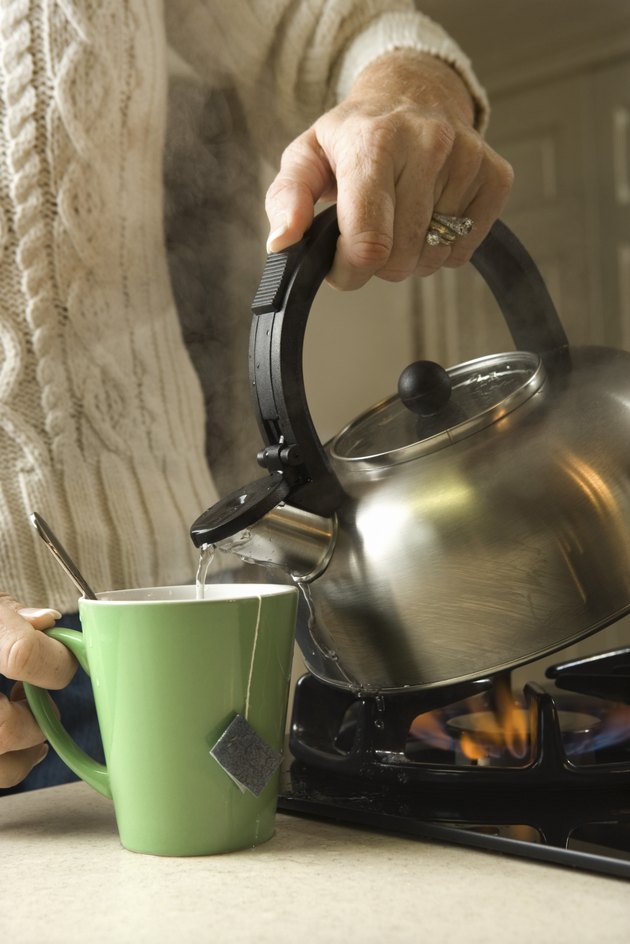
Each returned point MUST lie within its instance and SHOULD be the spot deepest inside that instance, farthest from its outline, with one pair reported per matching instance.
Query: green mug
(191, 697)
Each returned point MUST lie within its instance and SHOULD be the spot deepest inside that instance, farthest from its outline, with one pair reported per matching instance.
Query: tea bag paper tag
(245, 757)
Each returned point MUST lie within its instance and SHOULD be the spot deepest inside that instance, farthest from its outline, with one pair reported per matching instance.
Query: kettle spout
(297, 541)
(255, 523)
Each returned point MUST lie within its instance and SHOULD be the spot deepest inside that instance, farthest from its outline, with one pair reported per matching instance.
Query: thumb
(304, 178)
(30, 656)
(38, 617)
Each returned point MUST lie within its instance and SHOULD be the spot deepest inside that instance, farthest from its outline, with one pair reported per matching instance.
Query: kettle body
(484, 533)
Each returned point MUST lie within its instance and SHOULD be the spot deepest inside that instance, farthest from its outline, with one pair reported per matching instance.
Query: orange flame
(428, 728)
(471, 748)
(479, 733)
(513, 719)
(492, 725)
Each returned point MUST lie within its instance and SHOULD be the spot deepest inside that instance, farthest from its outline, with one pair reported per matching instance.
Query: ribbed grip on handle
(278, 270)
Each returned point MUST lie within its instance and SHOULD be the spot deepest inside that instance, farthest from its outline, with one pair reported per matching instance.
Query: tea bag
(245, 756)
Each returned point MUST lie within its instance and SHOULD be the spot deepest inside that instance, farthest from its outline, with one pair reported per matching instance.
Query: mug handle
(88, 769)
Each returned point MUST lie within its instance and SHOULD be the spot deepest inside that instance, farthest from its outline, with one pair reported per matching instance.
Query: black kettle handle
(300, 472)
(281, 307)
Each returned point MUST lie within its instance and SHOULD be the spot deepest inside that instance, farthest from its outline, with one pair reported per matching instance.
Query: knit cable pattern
(101, 414)
(32, 239)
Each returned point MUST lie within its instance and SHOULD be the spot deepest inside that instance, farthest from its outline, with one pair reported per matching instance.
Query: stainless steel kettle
(476, 520)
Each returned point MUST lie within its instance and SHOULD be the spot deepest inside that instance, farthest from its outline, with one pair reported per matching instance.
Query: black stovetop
(548, 809)
(588, 832)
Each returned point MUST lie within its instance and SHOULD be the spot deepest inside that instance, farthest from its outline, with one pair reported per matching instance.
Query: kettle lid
(436, 407)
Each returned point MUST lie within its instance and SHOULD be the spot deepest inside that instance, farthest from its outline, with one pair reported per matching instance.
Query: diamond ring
(444, 229)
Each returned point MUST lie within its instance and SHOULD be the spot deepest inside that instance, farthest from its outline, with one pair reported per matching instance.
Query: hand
(26, 655)
(400, 145)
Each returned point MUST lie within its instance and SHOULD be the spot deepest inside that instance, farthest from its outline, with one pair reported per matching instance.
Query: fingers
(484, 208)
(304, 178)
(385, 210)
(21, 741)
(17, 765)
(18, 728)
(428, 149)
(477, 183)
(400, 146)
(29, 655)
(391, 172)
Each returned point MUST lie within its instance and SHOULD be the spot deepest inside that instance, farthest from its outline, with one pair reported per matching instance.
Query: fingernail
(30, 612)
(276, 234)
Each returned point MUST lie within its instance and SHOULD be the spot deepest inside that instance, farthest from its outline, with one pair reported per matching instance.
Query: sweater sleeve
(291, 60)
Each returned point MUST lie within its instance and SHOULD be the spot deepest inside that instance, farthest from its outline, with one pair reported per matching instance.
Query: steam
(215, 246)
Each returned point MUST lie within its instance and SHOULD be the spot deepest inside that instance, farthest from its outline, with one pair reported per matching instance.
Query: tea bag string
(251, 664)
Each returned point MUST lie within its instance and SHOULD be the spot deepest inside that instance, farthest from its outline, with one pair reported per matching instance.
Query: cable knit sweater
(102, 183)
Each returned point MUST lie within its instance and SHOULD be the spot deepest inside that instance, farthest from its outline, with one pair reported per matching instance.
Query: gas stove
(542, 773)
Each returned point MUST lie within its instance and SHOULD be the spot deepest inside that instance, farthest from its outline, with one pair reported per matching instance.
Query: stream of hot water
(206, 556)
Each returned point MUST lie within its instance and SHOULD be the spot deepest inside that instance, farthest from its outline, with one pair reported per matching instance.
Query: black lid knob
(424, 387)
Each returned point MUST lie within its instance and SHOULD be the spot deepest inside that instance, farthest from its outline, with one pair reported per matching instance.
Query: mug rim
(214, 593)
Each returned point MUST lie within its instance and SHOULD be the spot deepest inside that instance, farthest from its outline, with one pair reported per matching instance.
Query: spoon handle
(56, 548)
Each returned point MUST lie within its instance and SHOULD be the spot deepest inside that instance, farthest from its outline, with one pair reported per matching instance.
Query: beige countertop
(65, 878)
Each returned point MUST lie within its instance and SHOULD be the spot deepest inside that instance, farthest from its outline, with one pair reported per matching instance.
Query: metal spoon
(57, 549)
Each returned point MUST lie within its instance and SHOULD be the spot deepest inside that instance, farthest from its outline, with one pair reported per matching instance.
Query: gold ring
(460, 225)
(433, 239)
(445, 235)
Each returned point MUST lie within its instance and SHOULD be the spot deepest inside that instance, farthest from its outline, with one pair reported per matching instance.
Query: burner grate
(605, 676)
(367, 736)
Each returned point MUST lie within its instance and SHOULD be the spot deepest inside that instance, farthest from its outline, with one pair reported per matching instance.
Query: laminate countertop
(66, 878)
